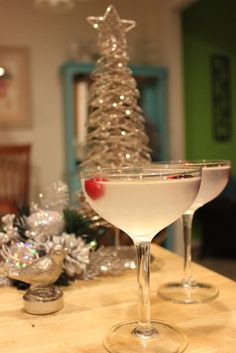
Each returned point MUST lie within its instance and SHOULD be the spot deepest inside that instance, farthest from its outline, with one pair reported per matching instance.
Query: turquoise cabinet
(152, 84)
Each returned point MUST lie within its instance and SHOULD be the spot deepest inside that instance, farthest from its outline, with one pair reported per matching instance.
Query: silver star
(111, 25)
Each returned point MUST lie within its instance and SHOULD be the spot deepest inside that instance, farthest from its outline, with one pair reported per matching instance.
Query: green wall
(209, 27)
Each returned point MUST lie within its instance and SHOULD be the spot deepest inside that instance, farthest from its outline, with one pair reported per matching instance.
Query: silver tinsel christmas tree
(116, 132)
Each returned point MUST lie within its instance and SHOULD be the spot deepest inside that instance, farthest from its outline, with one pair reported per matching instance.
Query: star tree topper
(111, 29)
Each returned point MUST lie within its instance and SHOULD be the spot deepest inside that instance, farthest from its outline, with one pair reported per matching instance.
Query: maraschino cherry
(94, 188)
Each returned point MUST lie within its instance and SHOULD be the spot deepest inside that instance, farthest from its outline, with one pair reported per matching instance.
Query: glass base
(165, 338)
(188, 293)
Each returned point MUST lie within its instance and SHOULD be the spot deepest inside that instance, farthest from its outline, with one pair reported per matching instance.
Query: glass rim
(151, 170)
(198, 162)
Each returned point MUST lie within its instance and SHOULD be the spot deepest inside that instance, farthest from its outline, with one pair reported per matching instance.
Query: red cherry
(93, 188)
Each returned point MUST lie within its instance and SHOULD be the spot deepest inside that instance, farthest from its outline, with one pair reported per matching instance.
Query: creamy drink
(143, 207)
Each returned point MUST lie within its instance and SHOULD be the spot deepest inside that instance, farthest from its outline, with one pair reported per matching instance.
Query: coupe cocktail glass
(142, 201)
(215, 175)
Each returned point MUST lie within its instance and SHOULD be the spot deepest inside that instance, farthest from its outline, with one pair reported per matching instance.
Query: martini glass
(142, 201)
(215, 175)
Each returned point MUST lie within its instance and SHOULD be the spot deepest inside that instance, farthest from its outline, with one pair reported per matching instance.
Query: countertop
(91, 307)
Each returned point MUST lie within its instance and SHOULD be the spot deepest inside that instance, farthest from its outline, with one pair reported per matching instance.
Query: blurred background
(191, 41)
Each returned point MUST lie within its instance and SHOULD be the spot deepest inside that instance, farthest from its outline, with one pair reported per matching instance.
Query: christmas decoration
(26, 238)
(20, 255)
(8, 236)
(77, 253)
(107, 262)
(43, 223)
(9, 232)
(42, 297)
(56, 197)
(76, 223)
(116, 133)
(116, 137)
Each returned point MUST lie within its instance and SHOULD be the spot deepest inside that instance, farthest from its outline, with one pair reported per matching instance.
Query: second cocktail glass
(215, 175)
(141, 201)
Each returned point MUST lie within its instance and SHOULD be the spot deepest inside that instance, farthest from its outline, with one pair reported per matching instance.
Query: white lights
(55, 5)
(2, 71)
(114, 47)
(59, 6)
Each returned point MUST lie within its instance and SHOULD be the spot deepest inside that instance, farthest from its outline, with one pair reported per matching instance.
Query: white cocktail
(215, 176)
(142, 201)
(135, 209)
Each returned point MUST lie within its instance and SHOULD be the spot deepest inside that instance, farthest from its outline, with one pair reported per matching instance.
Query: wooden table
(91, 307)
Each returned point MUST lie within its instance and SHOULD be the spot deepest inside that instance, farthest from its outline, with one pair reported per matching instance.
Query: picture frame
(14, 87)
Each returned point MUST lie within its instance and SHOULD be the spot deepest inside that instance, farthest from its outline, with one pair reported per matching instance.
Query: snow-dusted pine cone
(77, 257)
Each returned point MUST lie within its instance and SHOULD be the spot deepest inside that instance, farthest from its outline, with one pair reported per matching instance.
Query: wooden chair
(14, 177)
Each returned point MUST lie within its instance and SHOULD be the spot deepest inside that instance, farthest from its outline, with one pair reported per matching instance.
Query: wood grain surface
(91, 307)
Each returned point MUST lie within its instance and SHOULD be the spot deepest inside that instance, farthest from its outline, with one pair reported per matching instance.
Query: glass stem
(144, 328)
(187, 232)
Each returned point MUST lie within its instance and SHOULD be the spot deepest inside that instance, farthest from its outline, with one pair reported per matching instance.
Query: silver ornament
(9, 231)
(56, 197)
(20, 255)
(43, 223)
